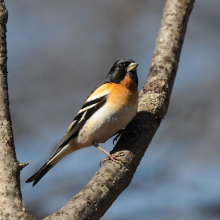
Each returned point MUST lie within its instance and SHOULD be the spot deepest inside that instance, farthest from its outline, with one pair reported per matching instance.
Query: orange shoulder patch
(103, 89)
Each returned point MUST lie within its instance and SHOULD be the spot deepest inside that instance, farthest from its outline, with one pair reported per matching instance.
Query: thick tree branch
(98, 195)
(107, 184)
(11, 204)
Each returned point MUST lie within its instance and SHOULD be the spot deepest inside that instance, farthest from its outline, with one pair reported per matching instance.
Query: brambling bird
(107, 110)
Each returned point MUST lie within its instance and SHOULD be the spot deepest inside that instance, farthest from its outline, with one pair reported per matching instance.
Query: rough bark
(111, 179)
(11, 204)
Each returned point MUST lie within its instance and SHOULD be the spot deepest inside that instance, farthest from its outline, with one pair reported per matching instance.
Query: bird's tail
(40, 173)
(56, 157)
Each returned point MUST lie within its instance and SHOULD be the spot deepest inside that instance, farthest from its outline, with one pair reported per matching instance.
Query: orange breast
(124, 94)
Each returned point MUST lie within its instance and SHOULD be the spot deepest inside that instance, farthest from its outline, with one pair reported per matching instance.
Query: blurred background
(60, 50)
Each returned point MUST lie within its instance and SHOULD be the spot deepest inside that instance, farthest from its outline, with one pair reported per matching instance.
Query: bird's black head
(120, 69)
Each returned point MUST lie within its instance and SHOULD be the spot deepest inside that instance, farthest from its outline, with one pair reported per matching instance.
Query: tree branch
(11, 203)
(111, 179)
(107, 184)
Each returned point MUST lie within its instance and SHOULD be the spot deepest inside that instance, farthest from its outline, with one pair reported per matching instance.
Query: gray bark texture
(112, 178)
(11, 203)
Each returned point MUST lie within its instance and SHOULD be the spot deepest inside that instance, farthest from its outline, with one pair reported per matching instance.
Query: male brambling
(108, 109)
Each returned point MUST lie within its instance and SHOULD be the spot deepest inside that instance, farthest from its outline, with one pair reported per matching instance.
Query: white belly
(104, 124)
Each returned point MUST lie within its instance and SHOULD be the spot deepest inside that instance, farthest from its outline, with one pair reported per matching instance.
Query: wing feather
(83, 115)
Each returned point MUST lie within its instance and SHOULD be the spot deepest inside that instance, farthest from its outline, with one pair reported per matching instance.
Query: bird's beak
(132, 67)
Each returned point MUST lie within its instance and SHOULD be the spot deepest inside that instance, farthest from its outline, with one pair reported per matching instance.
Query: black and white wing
(92, 104)
(87, 110)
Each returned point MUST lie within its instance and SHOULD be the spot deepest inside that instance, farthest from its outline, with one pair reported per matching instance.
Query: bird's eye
(121, 65)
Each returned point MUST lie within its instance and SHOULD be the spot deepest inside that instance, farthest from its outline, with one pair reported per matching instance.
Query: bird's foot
(110, 156)
(113, 158)
(119, 133)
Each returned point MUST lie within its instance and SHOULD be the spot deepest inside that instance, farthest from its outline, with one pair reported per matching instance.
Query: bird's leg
(113, 158)
(119, 133)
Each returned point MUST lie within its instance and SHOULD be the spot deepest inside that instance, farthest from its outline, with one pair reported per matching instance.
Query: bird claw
(116, 138)
(113, 158)
(122, 131)
(118, 134)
